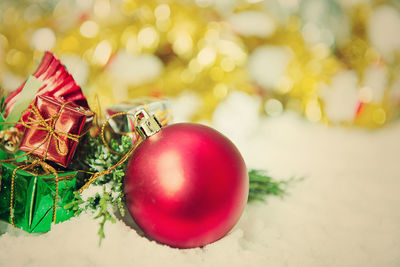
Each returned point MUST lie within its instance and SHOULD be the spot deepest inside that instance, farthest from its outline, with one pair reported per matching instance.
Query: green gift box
(34, 196)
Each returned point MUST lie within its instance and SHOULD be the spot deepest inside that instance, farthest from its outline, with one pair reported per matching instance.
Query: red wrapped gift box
(59, 124)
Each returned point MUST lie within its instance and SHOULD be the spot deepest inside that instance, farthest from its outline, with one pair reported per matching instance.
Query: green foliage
(103, 212)
(262, 184)
(94, 156)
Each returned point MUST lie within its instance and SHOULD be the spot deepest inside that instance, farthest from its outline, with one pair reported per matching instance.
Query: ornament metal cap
(146, 124)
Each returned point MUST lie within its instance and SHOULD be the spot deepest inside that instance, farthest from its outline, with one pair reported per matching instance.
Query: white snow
(344, 213)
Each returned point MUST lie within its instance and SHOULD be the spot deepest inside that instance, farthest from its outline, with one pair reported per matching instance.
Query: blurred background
(334, 62)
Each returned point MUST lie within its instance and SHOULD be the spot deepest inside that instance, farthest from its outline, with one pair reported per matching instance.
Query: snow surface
(344, 213)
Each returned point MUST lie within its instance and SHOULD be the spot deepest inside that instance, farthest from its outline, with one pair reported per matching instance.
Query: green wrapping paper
(34, 198)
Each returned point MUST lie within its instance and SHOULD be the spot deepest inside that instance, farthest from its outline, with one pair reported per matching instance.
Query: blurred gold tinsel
(288, 56)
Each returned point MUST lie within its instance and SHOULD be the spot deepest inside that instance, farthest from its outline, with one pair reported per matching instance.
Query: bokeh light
(333, 61)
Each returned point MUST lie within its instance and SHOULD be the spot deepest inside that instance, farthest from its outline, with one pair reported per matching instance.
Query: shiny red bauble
(186, 186)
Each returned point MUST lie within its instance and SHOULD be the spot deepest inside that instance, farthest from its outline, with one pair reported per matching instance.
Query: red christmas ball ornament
(186, 185)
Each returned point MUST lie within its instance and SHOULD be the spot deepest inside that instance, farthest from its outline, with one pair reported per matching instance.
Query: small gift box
(125, 124)
(34, 197)
(53, 129)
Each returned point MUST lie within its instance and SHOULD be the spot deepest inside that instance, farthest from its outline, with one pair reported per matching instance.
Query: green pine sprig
(261, 185)
(104, 212)
(94, 156)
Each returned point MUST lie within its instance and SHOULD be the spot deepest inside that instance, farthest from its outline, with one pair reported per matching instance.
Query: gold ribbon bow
(48, 125)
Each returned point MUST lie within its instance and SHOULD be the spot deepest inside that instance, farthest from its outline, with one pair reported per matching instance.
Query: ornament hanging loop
(146, 125)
